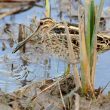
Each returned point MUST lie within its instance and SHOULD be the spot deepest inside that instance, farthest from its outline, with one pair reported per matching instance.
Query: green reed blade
(97, 23)
(94, 42)
(90, 27)
(88, 45)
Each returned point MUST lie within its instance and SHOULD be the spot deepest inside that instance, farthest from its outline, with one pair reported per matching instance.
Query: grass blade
(48, 10)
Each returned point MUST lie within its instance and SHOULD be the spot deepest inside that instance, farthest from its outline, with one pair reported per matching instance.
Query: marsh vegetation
(49, 54)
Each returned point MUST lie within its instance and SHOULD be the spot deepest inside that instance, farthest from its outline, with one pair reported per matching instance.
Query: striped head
(46, 24)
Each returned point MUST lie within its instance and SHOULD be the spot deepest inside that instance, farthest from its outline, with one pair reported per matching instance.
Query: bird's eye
(41, 23)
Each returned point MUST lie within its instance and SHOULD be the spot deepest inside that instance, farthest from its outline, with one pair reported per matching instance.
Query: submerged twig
(9, 12)
(105, 87)
(22, 35)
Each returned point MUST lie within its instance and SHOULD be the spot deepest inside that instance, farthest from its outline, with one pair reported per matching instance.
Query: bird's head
(43, 26)
(46, 24)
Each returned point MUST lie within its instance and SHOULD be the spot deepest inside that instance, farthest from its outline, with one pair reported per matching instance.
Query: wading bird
(52, 35)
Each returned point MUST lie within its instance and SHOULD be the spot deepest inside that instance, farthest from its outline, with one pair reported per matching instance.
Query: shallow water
(11, 80)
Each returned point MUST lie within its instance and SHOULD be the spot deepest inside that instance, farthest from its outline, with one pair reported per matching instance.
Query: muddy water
(12, 79)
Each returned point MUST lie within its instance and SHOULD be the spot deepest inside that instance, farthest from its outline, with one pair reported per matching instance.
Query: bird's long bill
(26, 40)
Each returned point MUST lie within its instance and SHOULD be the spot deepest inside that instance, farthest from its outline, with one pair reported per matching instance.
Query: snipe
(51, 37)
